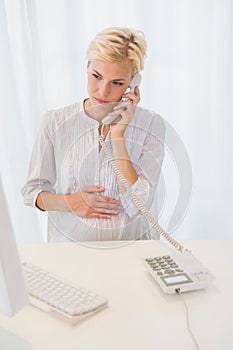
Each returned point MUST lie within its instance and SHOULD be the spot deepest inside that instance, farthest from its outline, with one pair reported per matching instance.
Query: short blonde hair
(116, 44)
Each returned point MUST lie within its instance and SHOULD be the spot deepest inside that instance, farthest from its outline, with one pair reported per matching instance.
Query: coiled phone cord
(159, 230)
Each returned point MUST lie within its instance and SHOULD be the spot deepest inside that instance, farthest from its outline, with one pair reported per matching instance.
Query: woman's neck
(91, 111)
(97, 111)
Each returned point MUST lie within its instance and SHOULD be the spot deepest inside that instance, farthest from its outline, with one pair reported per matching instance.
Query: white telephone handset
(134, 82)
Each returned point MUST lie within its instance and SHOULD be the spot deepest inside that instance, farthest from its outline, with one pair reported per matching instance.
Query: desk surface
(139, 315)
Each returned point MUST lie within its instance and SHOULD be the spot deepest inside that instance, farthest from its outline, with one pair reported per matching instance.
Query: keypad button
(158, 259)
(169, 272)
(174, 265)
(170, 261)
(154, 265)
(179, 270)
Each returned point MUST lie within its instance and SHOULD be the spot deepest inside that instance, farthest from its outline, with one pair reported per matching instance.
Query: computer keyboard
(50, 293)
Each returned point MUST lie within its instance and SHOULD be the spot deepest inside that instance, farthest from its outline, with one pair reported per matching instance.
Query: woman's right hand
(87, 204)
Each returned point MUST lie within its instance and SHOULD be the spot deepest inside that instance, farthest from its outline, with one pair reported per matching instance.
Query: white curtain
(188, 79)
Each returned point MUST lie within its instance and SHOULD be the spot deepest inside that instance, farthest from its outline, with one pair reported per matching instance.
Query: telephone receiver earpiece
(136, 80)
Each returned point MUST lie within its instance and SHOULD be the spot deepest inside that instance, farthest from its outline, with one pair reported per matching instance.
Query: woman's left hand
(126, 109)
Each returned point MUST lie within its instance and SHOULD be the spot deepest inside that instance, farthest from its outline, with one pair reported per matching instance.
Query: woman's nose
(105, 90)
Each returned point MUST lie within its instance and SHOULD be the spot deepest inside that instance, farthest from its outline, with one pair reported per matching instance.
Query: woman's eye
(96, 76)
(117, 83)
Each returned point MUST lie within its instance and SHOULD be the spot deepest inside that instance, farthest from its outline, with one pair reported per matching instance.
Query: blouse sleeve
(148, 169)
(42, 168)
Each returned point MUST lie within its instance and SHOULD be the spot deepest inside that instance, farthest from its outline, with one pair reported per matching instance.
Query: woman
(70, 175)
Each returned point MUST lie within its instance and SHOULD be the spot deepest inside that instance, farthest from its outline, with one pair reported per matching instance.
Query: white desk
(139, 315)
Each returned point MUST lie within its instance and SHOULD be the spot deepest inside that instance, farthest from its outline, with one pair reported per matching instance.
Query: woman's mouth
(102, 102)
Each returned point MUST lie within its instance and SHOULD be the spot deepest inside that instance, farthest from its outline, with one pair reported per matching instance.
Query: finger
(94, 214)
(116, 112)
(92, 189)
(132, 98)
(98, 202)
(107, 205)
(122, 105)
(135, 97)
(109, 211)
(97, 213)
(107, 199)
(106, 211)
(99, 216)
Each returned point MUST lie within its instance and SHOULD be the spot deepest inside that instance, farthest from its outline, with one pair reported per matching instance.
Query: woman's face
(107, 81)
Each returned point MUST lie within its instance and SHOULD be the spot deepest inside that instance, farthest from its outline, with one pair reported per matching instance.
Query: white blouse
(66, 157)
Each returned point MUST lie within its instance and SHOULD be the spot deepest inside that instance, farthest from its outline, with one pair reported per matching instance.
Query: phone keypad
(164, 265)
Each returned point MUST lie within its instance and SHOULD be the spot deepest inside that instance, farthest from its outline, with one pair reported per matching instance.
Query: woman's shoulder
(62, 113)
(148, 118)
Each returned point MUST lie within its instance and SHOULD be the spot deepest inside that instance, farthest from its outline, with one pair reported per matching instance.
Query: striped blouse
(66, 157)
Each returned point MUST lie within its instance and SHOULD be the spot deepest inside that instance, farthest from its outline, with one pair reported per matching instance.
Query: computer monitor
(13, 291)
